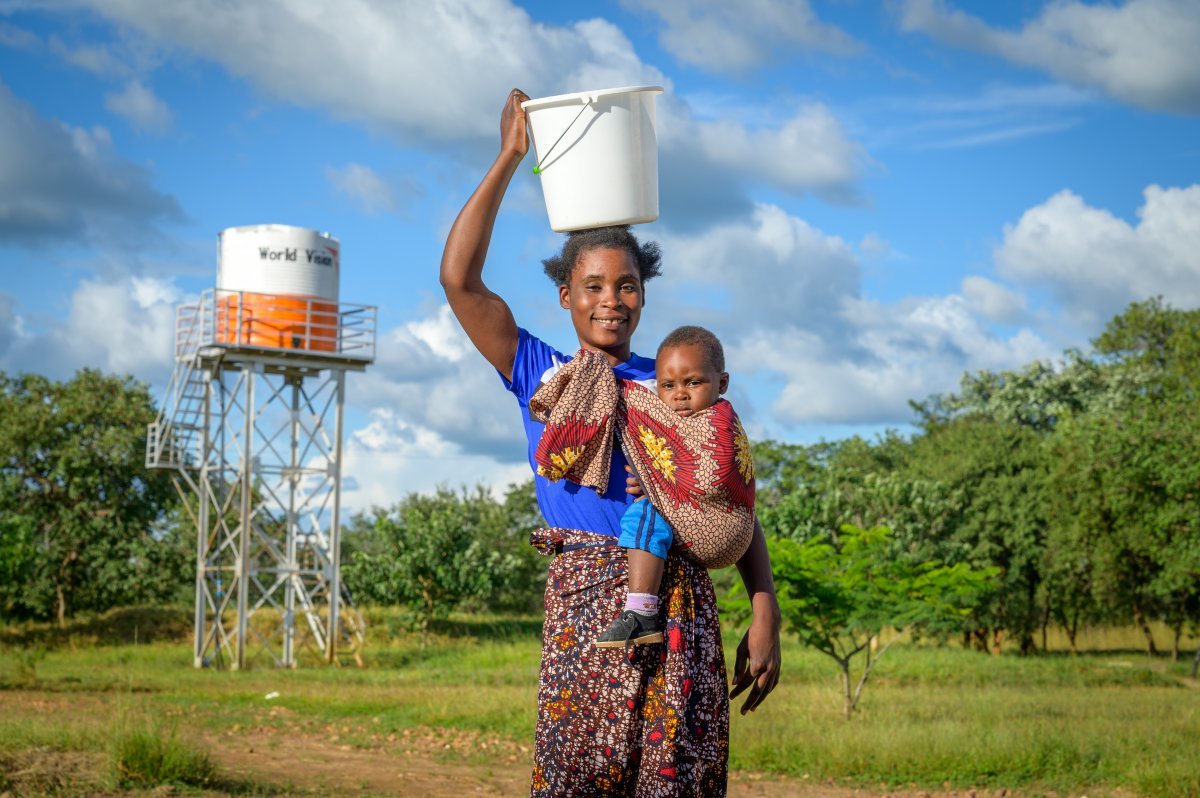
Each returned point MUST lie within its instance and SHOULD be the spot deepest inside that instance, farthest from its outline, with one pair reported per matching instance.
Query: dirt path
(438, 763)
(299, 760)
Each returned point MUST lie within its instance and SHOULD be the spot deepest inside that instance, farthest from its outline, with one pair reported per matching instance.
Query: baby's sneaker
(631, 629)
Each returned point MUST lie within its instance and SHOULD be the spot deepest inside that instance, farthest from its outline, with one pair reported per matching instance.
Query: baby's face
(687, 381)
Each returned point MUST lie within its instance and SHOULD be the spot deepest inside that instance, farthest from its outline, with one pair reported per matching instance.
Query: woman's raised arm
(484, 316)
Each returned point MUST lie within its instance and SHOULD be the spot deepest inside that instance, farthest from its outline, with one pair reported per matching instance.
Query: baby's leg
(645, 572)
(638, 624)
(645, 535)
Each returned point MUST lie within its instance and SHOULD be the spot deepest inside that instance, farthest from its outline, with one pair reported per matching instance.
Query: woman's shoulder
(534, 359)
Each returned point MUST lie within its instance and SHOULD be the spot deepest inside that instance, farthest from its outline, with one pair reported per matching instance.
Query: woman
(653, 722)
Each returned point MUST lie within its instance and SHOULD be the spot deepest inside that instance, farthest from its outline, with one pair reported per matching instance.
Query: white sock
(642, 603)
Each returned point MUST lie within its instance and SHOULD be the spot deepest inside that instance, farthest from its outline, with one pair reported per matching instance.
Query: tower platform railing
(239, 325)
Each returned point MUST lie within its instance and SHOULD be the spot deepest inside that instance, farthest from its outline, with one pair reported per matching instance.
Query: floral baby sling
(696, 471)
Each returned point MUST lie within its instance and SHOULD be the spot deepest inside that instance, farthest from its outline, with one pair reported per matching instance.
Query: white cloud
(430, 375)
(719, 36)
(61, 183)
(11, 327)
(865, 371)
(993, 300)
(989, 115)
(769, 270)
(141, 106)
(391, 457)
(17, 38)
(810, 150)
(785, 299)
(435, 74)
(874, 248)
(428, 70)
(1140, 51)
(363, 185)
(1095, 263)
(97, 58)
(123, 326)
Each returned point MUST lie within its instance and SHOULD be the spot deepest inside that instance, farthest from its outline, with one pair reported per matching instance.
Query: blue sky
(865, 200)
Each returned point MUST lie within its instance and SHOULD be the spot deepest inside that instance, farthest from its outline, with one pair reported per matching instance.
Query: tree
(839, 592)
(1138, 474)
(434, 553)
(1127, 487)
(997, 471)
(80, 516)
(866, 484)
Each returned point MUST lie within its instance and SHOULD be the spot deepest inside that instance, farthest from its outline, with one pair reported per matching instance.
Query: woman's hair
(647, 256)
(689, 334)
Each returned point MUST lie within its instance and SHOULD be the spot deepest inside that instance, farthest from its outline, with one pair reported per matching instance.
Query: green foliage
(120, 626)
(80, 515)
(1036, 396)
(436, 553)
(782, 468)
(838, 593)
(146, 755)
(1128, 486)
(997, 470)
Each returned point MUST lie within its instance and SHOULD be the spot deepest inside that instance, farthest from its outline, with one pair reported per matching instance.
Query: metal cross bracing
(254, 438)
(268, 506)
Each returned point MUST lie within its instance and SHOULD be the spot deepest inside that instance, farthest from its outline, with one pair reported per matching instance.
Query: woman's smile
(605, 300)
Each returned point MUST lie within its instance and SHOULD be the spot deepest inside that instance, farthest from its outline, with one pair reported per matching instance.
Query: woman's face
(605, 300)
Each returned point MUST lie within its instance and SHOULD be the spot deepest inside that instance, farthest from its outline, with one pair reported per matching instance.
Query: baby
(685, 446)
(691, 377)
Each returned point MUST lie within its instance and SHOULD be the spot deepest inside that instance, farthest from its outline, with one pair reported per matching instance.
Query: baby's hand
(632, 486)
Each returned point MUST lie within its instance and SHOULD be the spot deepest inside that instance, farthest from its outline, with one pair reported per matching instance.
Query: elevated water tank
(277, 287)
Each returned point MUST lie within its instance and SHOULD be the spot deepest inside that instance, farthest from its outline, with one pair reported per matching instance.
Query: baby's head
(691, 370)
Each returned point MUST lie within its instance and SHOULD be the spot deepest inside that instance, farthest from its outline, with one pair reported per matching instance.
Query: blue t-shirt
(564, 503)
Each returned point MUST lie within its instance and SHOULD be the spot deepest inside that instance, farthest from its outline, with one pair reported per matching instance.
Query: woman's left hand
(756, 667)
(758, 658)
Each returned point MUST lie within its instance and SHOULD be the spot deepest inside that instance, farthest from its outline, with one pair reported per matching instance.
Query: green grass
(147, 755)
(931, 716)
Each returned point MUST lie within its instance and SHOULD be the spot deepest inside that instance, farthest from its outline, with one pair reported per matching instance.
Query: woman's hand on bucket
(514, 137)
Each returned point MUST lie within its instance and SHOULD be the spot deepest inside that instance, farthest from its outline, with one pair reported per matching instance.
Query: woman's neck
(615, 356)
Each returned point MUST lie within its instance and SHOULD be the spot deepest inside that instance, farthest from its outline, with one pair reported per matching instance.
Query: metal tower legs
(266, 504)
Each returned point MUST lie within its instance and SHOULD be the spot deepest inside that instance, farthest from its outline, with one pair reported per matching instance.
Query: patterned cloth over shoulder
(697, 471)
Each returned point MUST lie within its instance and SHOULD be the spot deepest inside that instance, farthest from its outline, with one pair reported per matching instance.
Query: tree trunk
(1178, 629)
(427, 613)
(847, 697)
(1196, 663)
(997, 639)
(60, 594)
(1045, 626)
(1140, 618)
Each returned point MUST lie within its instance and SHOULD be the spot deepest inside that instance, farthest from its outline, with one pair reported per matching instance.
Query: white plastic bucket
(597, 156)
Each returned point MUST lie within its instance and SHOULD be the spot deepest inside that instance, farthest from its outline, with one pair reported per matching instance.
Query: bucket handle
(537, 170)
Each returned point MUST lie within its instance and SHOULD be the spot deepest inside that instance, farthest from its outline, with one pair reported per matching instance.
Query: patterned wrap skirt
(644, 722)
